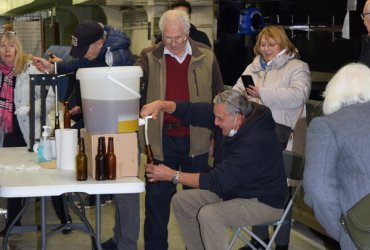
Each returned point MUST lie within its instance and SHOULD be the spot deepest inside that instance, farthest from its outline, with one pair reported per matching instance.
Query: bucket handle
(123, 86)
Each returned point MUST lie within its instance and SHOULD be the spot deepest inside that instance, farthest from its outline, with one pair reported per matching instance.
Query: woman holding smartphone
(281, 82)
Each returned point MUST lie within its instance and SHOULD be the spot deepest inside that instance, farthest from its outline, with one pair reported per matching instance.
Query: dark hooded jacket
(247, 165)
(119, 44)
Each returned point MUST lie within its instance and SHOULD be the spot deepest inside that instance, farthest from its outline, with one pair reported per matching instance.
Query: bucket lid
(102, 72)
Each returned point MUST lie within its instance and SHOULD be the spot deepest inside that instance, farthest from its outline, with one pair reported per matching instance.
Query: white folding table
(42, 182)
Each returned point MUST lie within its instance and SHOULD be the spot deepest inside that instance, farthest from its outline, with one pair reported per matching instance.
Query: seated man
(247, 184)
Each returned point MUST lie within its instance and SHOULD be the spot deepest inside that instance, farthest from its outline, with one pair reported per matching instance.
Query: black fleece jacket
(247, 165)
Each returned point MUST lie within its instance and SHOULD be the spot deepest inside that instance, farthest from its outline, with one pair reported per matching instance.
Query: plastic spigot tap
(144, 121)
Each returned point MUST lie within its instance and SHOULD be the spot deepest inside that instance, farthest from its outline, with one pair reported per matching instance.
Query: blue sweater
(247, 165)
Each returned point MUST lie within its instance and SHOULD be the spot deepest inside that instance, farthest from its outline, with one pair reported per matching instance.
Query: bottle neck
(101, 146)
(110, 145)
(82, 145)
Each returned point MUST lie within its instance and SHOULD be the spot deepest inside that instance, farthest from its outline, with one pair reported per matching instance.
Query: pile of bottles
(105, 161)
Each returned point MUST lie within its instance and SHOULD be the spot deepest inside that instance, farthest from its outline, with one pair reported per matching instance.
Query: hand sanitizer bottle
(44, 150)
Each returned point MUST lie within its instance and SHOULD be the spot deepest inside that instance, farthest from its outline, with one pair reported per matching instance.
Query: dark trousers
(14, 206)
(158, 195)
(61, 209)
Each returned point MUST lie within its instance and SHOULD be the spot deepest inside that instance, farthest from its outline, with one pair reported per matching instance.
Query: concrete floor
(301, 236)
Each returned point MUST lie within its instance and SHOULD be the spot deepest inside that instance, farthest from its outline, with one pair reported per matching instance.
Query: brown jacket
(204, 79)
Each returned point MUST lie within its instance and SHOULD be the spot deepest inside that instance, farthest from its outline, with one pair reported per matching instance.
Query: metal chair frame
(294, 165)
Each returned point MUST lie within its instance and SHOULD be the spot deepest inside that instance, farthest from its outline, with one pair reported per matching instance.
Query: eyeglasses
(363, 15)
(8, 32)
(177, 39)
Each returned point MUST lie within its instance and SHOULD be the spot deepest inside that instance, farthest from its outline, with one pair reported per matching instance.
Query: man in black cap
(90, 42)
(194, 33)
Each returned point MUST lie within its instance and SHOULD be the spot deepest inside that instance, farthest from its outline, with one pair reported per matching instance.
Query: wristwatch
(176, 178)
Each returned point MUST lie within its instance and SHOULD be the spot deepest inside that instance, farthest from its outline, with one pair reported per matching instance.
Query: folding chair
(294, 165)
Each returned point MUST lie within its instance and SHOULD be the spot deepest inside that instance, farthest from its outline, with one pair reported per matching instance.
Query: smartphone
(247, 80)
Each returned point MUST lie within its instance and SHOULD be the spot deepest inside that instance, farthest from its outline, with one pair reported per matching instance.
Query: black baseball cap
(85, 34)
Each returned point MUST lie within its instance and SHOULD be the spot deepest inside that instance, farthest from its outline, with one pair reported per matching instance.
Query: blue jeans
(158, 195)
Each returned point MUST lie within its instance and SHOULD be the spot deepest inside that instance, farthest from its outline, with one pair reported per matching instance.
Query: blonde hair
(350, 85)
(21, 59)
(278, 34)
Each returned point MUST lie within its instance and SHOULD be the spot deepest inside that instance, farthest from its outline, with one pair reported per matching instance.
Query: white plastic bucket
(110, 98)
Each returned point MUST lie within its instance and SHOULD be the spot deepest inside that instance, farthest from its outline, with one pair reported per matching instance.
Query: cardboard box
(125, 149)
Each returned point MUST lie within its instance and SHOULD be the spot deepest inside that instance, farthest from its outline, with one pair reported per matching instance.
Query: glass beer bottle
(111, 161)
(81, 161)
(66, 116)
(56, 125)
(100, 160)
(149, 154)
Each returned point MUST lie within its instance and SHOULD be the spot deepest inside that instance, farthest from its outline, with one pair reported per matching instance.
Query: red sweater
(177, 89)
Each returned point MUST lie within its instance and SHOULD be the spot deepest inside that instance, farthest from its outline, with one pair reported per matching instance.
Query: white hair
(175, 15)
(350, 85)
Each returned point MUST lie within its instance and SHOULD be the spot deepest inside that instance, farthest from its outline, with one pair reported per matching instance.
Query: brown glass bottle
(111, 161)
(66, 116)
(149, 154)
(81, 161)
(56, 124)
(100, 160)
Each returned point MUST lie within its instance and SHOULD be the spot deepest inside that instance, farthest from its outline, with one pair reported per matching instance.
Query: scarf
(6, 98)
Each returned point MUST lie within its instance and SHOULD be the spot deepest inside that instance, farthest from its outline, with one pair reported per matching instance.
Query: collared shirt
(182, 58)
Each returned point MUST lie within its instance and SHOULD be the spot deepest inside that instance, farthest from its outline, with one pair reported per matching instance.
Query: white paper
(66, 147)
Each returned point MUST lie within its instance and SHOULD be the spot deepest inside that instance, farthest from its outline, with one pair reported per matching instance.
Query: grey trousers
(203, 217)
(127, 221)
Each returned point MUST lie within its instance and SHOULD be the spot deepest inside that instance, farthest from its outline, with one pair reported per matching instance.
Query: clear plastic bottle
(44, 150)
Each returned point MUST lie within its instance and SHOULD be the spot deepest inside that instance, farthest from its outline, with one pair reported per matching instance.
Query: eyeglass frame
(363, 15)
(177, 39)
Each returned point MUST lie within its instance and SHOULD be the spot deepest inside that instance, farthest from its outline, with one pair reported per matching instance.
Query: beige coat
(284, 86)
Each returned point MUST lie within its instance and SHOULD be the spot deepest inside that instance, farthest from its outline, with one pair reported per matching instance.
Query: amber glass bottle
(56, 124)
(111, 161)
(149, 154)
(81, 161)
(66, 116)
(100, 160)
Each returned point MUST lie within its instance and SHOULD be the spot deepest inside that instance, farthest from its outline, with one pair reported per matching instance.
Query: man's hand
(43, 65)
(152, 109)
(53, 58)
(159, 172)
(155, 107)
(75, 110)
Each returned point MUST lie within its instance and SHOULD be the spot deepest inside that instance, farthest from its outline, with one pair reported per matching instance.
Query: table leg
(43, 223)
(11, 226)
(98, 222)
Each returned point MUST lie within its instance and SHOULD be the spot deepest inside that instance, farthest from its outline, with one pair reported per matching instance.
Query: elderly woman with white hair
(337, 173)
